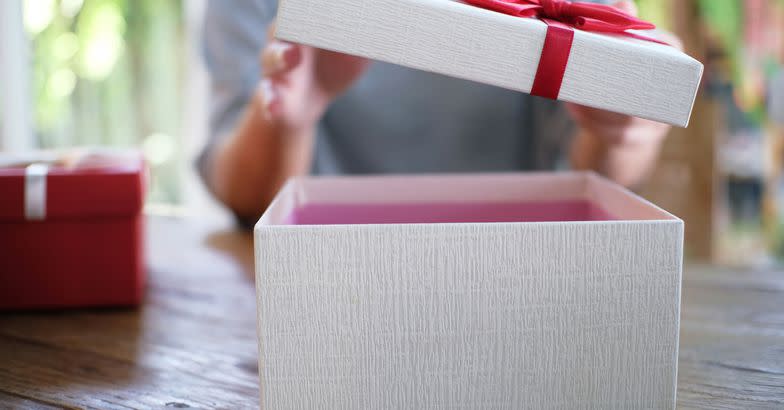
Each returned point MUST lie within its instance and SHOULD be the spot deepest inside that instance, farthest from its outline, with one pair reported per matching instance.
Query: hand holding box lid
(617, 72)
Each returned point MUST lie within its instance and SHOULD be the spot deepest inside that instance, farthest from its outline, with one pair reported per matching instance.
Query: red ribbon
(562, 17)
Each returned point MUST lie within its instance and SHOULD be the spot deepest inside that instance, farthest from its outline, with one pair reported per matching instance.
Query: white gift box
(614, 73)
(467, 291)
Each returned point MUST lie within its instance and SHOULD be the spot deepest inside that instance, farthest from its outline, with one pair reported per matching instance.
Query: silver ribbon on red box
(35, 191)
(37, 165)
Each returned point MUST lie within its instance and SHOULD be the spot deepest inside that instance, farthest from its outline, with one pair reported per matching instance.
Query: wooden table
(193, 343)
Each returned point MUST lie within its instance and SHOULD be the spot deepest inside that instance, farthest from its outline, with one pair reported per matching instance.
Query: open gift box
(472, 291)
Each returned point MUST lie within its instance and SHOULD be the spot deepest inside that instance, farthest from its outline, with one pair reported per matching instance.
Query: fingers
(271, 29)
(611, 127)
(279, 58)
(617, 129)
(299, 81)
(590, 115)
(628, 7)
(670, 39)
(268, 95)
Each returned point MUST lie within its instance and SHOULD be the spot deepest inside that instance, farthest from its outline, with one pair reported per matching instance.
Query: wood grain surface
(193, 343)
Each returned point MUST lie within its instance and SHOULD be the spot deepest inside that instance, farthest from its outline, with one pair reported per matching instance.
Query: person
(297, 109)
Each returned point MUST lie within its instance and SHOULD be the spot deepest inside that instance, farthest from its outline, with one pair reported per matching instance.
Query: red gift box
(71, 229)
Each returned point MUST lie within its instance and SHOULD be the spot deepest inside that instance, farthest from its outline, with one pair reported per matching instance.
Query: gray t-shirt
(394, 119)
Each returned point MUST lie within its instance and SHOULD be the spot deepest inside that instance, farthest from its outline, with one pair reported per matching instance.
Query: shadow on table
(237, 244)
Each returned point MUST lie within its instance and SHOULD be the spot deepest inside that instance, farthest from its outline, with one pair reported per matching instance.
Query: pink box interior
(479, 198)
(447, 212)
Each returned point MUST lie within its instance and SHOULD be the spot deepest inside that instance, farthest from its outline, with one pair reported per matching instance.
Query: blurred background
(129, 73)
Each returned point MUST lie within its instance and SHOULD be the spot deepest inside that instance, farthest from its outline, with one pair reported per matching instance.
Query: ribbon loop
(555, 9)
(582, 15)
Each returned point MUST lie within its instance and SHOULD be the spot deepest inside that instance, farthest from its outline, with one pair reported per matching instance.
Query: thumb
(626, 6)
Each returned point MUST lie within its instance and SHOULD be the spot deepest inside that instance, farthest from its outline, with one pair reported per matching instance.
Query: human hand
(299, 81)
(622, 147)
(619, 129)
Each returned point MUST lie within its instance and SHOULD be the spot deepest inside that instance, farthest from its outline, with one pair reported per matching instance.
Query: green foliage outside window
(107, 72)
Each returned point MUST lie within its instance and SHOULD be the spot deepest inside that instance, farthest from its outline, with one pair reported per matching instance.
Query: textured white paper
(634, 77)
(480, 316)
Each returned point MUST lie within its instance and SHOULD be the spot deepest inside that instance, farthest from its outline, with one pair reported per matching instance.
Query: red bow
(562, 17)
(585, 16)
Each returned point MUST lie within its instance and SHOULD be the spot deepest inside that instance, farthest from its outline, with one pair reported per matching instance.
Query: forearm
(628, 162)
(251, 165)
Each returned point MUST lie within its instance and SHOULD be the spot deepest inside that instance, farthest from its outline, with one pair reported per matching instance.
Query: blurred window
(109, 72)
